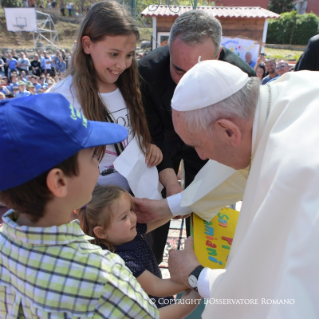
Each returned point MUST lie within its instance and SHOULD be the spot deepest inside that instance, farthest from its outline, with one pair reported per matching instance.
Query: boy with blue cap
(48, 168)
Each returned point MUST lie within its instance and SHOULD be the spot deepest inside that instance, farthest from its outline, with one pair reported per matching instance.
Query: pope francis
(262, 141)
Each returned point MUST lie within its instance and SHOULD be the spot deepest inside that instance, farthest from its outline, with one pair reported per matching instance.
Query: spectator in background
(23, 63)
(282, 67)
(15, 91)
(4, 58)
(22, 91)
(62, 8)
(23, 76)
(14, 55)
(56, 57)
(3, 88)
(60, 66)
(49, 5)
(42, 83)
(12, 64)
(36, 66)
(69, 7)
(309, 60)
(31, 89)
(260, 71)
(249, 61)
(2, 64)
(34, 81)
(53, 4)
(271, 69)
(14, 83)
(47, 64)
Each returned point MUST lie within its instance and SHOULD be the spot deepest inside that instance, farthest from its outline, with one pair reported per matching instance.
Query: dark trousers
(192, 165)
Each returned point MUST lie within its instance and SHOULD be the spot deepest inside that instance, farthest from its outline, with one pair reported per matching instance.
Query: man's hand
(149, 210)
(182, 262)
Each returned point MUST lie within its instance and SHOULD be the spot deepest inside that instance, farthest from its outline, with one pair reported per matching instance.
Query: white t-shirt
(116, 106)
(47, 65)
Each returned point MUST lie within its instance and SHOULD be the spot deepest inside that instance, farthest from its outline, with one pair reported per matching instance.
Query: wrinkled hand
(153, 156)
(182, 262)
(148, 210)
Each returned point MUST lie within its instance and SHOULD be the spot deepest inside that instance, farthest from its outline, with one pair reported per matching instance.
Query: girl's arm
(157, 223)
(153, 156)
(183, 309)
(159, 287)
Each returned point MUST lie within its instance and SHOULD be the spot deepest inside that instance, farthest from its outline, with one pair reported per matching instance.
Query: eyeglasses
(281, 66)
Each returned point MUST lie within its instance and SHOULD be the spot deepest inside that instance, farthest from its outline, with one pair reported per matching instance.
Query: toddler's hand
(153, 156)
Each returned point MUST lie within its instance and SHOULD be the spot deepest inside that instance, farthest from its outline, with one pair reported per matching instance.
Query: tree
(281, 6)
(10, 3)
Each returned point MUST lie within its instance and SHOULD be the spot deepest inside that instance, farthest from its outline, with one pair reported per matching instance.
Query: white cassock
(274, 256)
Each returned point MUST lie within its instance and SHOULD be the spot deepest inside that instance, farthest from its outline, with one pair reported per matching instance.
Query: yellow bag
(212, 241)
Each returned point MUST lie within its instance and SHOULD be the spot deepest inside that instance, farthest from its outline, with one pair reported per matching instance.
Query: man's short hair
(271, 60)
(196, 26)
(32, 196)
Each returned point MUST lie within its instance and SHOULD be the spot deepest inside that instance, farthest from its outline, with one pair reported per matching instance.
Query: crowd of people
(21, 76)
(76, 244)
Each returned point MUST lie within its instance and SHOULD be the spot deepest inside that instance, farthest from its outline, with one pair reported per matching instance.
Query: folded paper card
(143, 180)
(213, 240)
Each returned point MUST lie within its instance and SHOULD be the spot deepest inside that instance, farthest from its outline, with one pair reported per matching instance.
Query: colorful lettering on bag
(226, 247)
(211, 251)
(209, 230)
(214, 260)
(210, 244)
(229, 240)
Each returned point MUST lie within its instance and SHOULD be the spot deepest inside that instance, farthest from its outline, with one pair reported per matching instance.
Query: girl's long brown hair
(108, 19)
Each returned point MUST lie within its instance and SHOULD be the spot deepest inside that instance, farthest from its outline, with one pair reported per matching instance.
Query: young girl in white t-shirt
(103, 82)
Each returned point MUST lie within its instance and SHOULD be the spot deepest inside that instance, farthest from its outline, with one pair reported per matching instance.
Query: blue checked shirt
(54, 272)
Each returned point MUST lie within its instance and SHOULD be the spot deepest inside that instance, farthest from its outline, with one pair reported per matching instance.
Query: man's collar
(46, 236)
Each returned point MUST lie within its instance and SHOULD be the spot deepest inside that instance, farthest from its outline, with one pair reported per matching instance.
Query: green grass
(282, 54)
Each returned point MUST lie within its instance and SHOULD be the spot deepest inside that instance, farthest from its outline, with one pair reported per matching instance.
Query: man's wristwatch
(193, 277)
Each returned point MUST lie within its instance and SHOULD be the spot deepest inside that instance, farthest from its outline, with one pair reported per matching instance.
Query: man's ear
(228, 131)
(57, 182)
(86, 44)
(220, 50)
(99, 232)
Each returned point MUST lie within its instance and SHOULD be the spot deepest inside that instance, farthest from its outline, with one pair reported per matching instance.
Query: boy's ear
(99, 232)
(56, 182)
(86, 44)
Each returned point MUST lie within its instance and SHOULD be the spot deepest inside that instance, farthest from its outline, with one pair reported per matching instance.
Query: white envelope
(143, 181)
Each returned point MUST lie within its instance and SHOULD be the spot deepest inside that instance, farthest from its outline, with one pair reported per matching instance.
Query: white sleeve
(174, 203)
(206, 279)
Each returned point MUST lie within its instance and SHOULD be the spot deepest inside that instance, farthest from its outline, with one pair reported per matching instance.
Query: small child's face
(123, 223)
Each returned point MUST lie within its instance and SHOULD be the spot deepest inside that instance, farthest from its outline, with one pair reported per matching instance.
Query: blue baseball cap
(38, 132)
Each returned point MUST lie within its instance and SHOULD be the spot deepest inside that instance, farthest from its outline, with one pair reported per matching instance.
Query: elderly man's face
(184, 56)
(248, 57)
(226, 144)
(282, 67)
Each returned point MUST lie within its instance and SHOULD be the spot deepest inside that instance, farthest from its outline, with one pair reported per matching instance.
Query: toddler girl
(110, 219)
